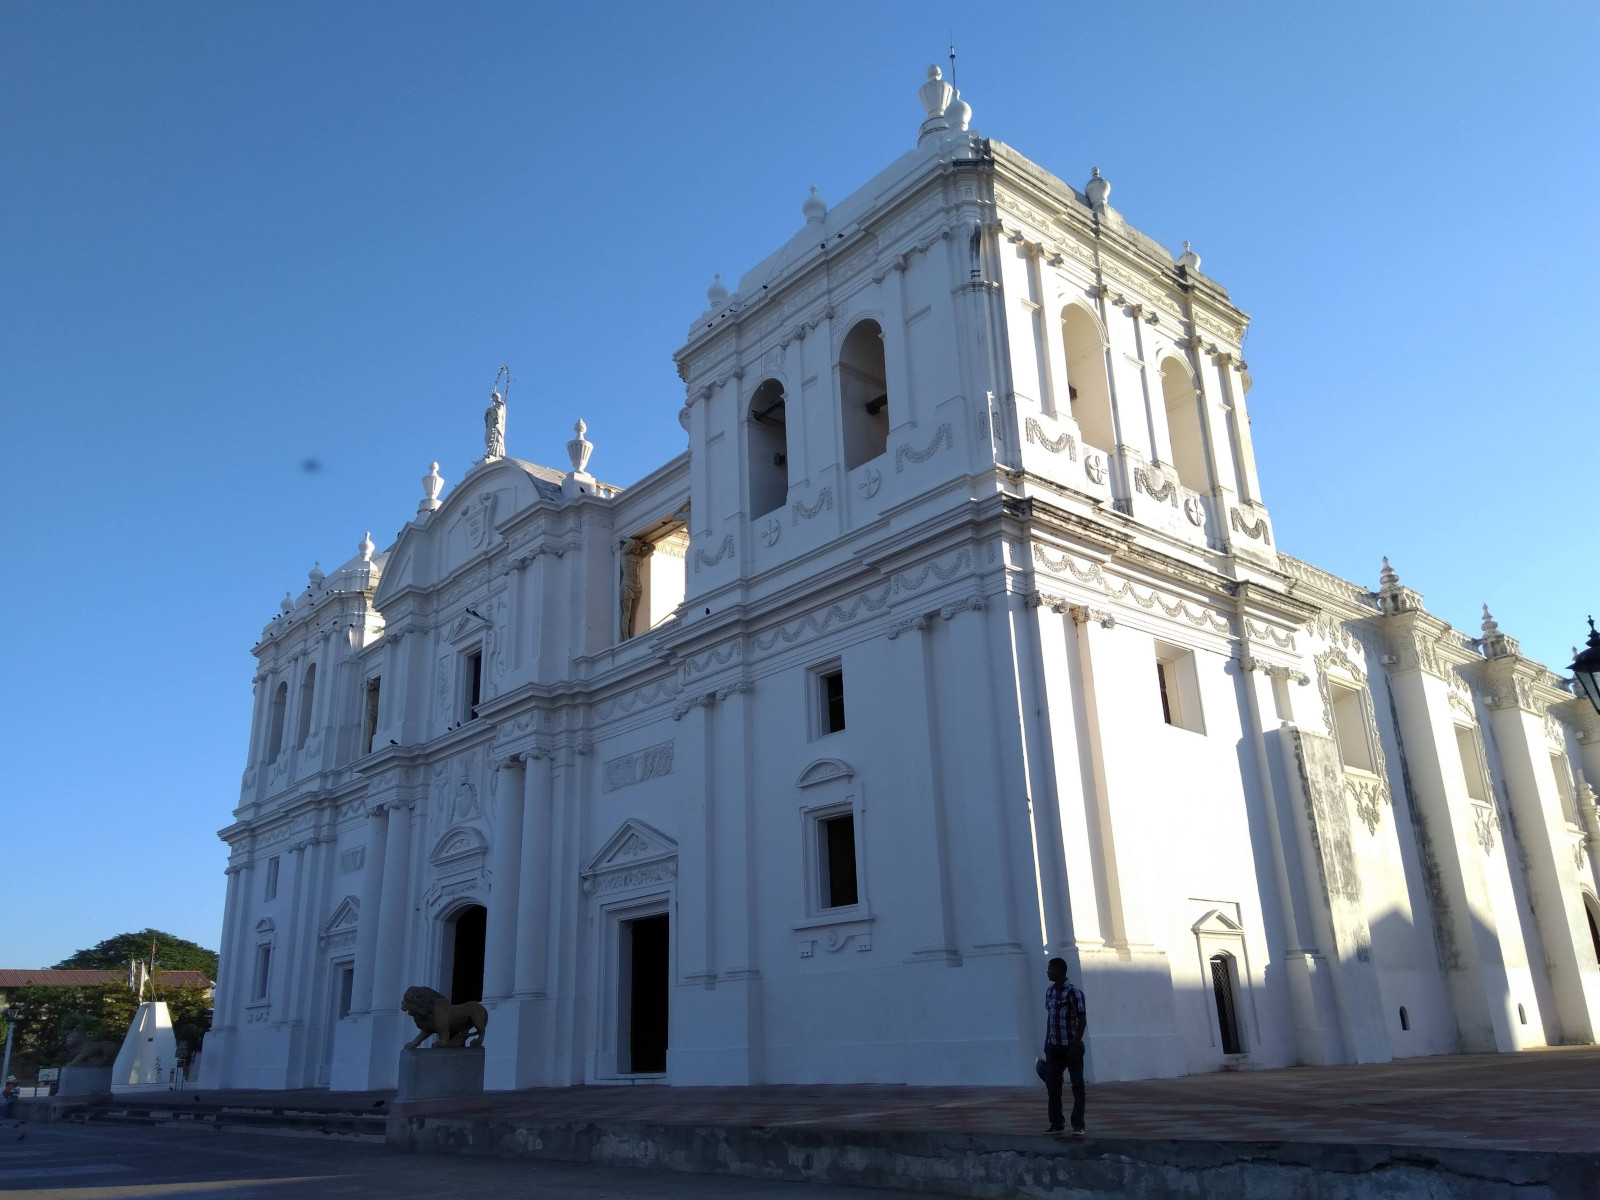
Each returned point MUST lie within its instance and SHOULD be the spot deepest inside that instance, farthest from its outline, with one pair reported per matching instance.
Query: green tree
(172, 954)
(45, 1015)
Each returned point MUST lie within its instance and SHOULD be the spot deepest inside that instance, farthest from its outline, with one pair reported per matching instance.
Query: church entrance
(645, 979)
(1227, 1009)
(463, 957)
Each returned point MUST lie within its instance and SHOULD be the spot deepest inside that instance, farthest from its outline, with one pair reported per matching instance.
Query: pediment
(633, 844)
(825, 770)
(265, 925)
(346, 916)
(461, 848)
(1218, 922)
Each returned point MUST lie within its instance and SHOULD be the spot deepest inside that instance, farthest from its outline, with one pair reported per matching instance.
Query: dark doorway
(1227, 1011)
(646, 965)
(466, 954)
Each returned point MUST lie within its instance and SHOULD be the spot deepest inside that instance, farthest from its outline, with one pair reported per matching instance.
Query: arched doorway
(463, 953)
(1227, 1009)
(1594, 926)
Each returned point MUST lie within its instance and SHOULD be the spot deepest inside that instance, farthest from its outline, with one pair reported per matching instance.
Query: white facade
(968, 457)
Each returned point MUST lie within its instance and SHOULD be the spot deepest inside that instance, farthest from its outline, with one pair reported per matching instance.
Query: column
(1311, 996)
(1547, 845)
(371, 902)
(500, 939)
(286, 946)
(393, 908)
(224, 996)
(530, 956)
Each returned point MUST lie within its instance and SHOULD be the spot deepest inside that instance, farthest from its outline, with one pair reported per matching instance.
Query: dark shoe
(1054, 1129)
(1077, 1132)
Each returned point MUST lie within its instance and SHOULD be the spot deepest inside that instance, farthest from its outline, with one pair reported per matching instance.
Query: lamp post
(1586, 668)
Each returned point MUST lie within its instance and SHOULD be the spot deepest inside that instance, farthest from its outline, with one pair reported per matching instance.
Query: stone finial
(366, 547)
(286, 605)
(935, 95)
(814, 207)
(315, 575)
(432, 485)
(959, 114)
(1190, 262)
(1387, 578)
(579, 448)
(1098, 189)
(1490, 627)
(716, 294)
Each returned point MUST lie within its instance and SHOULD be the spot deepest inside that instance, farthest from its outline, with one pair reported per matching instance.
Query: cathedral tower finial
(814, 207)
(366, 547)
(716, 294)
(1098, 189)
(935, 95)
(432, 485)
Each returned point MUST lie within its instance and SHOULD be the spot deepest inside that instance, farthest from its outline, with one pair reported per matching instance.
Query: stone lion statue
(453, 1024)
(84, 1051)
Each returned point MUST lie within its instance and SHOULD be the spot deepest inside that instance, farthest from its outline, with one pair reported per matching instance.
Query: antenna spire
(952, 58)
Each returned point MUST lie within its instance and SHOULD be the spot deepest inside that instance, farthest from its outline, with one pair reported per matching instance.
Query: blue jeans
(1057, 1061)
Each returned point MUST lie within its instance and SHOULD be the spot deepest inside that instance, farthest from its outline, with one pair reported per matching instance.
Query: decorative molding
(825, 770)
(871, 481)
(835, 936)
(1083, 615)
(906, 625)
(1036, 434)
(638, 698)
(718, 657)
(1195, 509)
(1088, 573)
(1156, 487)
(771, 529)
(635, 856)
(1284, 641)
(1485, 824)
(799, 512)
(652, 762)
(944, 435)
(1256, 530)
(724, 550)
(352, 860)
(1094, 466)
(965, 604)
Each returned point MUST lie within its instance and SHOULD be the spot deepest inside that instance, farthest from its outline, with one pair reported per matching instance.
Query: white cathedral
(957, 637)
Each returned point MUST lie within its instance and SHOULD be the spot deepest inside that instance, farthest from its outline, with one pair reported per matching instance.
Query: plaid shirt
(1065, 1014)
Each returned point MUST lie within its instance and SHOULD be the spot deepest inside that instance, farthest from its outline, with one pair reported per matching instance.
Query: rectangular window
(1471, 768)
(263, 971)
(836, 858)
(370, 731)
(474, 684)
(830, 698)
(347, 987)
(272, 878)
(1350, 724)
(1178, 688)
(1569, 807)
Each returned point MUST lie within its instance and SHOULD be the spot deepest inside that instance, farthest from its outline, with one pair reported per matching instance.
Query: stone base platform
(1478, 1126)
(438, 1072)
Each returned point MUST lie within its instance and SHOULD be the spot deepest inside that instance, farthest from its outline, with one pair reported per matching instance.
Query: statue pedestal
(439, 1072)
(84, 1081)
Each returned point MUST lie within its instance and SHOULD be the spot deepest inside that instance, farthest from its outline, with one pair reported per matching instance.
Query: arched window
(1183, 424)
(280, 704)
(308, 693)
(766, 438)
(1087, 391)
(863, 394)
(1222, 989)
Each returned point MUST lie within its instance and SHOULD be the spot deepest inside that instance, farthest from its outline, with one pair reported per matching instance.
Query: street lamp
(1586, 668)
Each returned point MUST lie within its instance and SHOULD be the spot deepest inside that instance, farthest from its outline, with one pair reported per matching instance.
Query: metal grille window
(1227, 1010)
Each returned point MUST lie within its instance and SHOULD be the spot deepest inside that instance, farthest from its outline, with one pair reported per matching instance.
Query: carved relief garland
(1065, 442)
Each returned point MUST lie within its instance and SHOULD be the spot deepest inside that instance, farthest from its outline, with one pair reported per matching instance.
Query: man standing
(1066, 1017)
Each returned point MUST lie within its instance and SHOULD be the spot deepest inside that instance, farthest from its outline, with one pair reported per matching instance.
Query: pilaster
(1550, 837)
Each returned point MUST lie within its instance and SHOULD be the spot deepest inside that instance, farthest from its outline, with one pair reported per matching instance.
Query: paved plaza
(75, 1162)
(1538, 1100)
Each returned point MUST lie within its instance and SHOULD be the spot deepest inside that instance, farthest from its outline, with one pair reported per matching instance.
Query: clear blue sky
(239, 236)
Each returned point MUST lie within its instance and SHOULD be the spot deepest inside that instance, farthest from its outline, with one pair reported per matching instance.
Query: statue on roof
(494, 427)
